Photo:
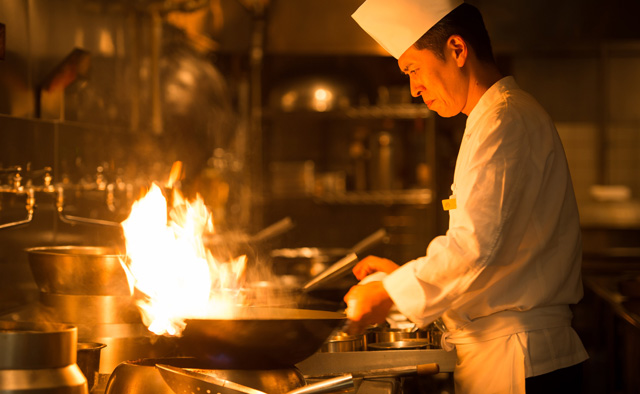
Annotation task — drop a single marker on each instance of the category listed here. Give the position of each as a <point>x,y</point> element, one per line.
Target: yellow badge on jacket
<point>449,204</point>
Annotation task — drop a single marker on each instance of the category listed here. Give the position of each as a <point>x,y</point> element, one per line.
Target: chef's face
<point>440,82</point>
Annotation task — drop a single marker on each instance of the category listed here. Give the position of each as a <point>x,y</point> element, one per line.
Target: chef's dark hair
<point>465,21</point>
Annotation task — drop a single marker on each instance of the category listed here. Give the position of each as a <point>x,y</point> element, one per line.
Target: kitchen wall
<point>593,98</point>
<point>579,59</point>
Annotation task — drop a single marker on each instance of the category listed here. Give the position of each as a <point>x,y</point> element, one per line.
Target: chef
<point>504,274</point>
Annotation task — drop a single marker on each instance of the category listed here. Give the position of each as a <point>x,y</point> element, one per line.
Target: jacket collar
<point>494,94</point>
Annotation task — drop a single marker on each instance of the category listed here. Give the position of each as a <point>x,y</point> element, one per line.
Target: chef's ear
<point>458,49</point>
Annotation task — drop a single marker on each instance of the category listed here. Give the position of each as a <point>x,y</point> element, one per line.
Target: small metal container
<point>343,342</point>
<point>88,359</point>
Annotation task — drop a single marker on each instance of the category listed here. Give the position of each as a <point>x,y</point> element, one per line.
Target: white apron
<point>493,351</point>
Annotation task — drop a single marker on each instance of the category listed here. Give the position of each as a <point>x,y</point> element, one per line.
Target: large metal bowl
<point>259,338</point>
<point>142,376</point>
<point>78,270</point>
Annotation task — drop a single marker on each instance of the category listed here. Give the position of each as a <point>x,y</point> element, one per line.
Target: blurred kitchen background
<point>287,109</point>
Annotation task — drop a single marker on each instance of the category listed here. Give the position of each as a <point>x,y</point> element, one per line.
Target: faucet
<point>28,191</point>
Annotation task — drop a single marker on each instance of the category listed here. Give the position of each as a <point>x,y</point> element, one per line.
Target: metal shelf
<point>383,197</point>
<point>396,111</point>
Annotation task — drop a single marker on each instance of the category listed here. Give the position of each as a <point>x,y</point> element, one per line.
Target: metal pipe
<point>73,220</point>
<point>30,206</point>
<point>29,191</point>
<point>77,219</point>
<point>18,223</point>
<point>156,49</point>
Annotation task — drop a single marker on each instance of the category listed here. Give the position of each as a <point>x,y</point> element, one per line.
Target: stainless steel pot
<point>79,270</point>
<point>342,342</point>
<point>414,343</point>
<point>37,345</point>
<point>38,358</point>
<point>383,334</point>
<point>91,309</point>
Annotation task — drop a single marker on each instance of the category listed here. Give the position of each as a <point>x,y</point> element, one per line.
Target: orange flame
<point>169,264</point>
<point>175,174</point>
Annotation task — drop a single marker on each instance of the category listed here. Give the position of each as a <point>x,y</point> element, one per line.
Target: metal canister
<point>384,163</point>
<point>39,358</point>
<point>88,360</point>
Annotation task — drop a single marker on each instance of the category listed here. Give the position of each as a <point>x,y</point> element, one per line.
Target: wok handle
<point>394,372</point>
<point>338,268</point>
<point>271,231</point>
<point>324,386</point>
<point>370,241</point>
<point>420,369</point>
<point>428,369</point>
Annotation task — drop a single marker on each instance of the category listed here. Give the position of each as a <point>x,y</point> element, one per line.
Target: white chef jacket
<point>503,275</point>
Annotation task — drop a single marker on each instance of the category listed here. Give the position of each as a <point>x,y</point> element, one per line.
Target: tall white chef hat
<point>398,24</point>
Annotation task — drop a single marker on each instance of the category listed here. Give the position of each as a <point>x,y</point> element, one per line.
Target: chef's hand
<point>366,304</point>
<point>372,264</point>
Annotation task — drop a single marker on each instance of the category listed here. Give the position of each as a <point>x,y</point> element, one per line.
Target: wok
<point>259,338</point>
<point>185,381</point>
